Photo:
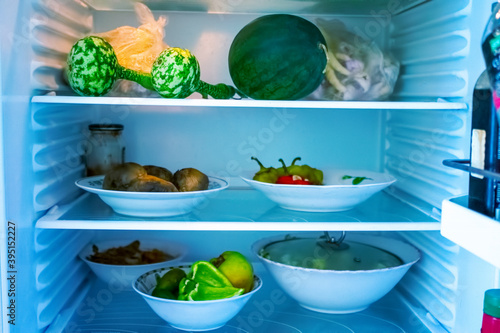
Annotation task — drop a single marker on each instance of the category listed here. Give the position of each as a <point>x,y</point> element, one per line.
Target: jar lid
<point>492,302</point>
<point>106,127</point>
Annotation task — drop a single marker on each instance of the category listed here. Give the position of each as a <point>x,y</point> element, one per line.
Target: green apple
<point>236,268</point>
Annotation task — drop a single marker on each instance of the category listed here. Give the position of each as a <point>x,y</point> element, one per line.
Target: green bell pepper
<point>265,175</point>
<point>312,175</point>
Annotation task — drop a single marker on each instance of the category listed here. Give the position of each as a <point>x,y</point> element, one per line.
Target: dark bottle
<point>484,149</point>
<point>491,54</point>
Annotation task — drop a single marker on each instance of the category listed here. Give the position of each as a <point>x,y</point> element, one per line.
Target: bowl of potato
<point>152,191</point>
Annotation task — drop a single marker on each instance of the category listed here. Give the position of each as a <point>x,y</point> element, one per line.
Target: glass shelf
<point>268,6</point>
<point>245,209</point>
<point>126,311</point>
<point>248,103</point>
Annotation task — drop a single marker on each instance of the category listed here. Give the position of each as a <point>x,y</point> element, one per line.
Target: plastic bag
<point>137,48</point>
<point>357,69</point>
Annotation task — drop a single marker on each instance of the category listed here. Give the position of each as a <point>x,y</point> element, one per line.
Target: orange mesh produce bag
<point>137,48</point>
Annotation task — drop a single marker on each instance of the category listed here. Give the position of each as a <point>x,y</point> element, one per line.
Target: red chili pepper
<point>292,180</point>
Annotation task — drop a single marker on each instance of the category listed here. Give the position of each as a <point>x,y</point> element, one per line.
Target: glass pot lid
<point>319,253</point>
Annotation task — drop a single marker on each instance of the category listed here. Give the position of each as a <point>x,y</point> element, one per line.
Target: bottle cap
<point>105,127</point>
<point>492,302</point>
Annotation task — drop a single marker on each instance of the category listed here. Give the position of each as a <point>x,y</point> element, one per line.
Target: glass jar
<point>104,149</point>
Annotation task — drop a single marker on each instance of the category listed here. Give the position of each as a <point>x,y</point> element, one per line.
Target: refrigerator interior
<point>426,121</point>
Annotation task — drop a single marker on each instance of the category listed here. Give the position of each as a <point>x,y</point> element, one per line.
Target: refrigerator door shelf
<point>465,165</point>
<point>244,210</point>
<point>471,230</point>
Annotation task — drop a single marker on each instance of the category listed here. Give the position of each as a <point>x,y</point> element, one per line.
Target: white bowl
<point>191,315</point>
<point>342,291</point>
<point>122,276</point>
<point>335,195</point>
<point>151,204</point>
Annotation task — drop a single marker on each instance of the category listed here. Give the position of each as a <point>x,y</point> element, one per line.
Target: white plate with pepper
<point>342,190</point>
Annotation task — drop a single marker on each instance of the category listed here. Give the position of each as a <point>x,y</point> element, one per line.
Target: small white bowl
<point>151,204</point>
<point>340,291</point>
<point>122,276</point>
<point>335,195</point>
<point>191,315</point>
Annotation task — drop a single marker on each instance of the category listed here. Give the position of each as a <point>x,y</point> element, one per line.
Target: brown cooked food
<point>190,179</point>
<point>120,177</point>
<point>159,172</point>
<point>134,177</point>
<point>151,184</point>
<point>128,255</point>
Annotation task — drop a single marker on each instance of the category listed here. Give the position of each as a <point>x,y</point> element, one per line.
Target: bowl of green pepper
<point>200,303</point>
<point>303,188</point>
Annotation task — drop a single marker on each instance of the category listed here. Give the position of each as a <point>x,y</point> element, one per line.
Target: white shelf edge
<point>246,103</point>
<point>238,225</point>
<point>473,231</point>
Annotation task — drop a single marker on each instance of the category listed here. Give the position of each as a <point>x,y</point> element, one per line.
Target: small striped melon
<point>175,73</point>
<point>92,66</point>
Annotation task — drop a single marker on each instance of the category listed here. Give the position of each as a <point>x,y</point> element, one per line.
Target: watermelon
<point>278,57</point>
